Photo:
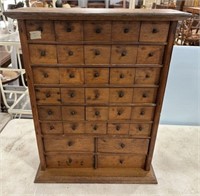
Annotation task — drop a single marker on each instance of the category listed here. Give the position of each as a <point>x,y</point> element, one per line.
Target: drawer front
<point>45,75</point>
<point>69,31</point>
<point>144,95</point>
<point>119,113</point>
<point>51,128</point>
<point>69,54</point>
<point>73,113</point>
<point>97,54</point>
<point>43,54</point>
<point>40,30</point>
<point>125,31</point>
<point>96,113</point>
<point>118,129</point>
<point>72,95</point>
<point>97,95</point>
<point>96,75</point>
<point>74,127</point>
<point>70,161</point>
<point>121,95</point>
<point>142,113</point>
<point>96,128</point>
<point>48,95</point>
<point>71,76</point>
<point>122,75</point>
<point>97,31</point>
<point>154,31</point>
<point>69,144</point>
<point>140,129</point>
<point>150,54</point>
<point>49,113</point>
<point>121,161</point>
<point>123,145</point>
<point>123,54</point>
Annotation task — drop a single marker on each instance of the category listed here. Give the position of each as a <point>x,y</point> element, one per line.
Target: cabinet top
<point>96,14</point>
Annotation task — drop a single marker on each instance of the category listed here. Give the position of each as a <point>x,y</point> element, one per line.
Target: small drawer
<point>150,54</point>
<point>72,95</point>
<point>73,113</point>
<point>51,128</point>
<point>123,145</point>
<point>69,54</point>
<point>122,75</point>
<point>119,113</point>
<point>81,144</point>
<point>125,31</point>
<point>43,54</point>
<point>97,95</point>
<point>147,75</point>
<point>121,95</point>
<point>97,54</point>
<point>97,31</point>
<point>49,113</point>
<point>74,127</point>
<point>144,95</point>
<point>69,31</point>
<point>96,75</point>
<point>154,31</point>
<point>40,30</point>
<point>121,161</point>
<point>96,113</point>
<point>48,95</point>
<point>96,128</point>
<point>45,75</point>
<point>140,129</point>
<point>124,54</point>
<point>118,129</point>
<point>142,113</point>
<point>70,161</point>
<point>71,76</point>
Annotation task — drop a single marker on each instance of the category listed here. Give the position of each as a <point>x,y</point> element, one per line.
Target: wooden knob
<point>46,75</point>
<point>120,94</point>
<point>154,30</point>
<point>140,128</point>
<point>69,29</point>
<point>96,74</point>
<point>72,94</point>
<point>144,95</point>
<point>118,127</point>
<point>147,76</point>
<point>97,95</point>
<point>73,127</point>
<point>123,53</point>
<point>97,113</point>
<point>69,143</point>
<point>71,75</point>
<point>150,54</point>
<point>70,53</point>
<point>119,112</point>
<point>95,127</point>
<point>121,161</point>
<point>126,30</point>
<point>98,30</point>
<point>50,112</point>
<point>73,113</point>
<point>121,75</point>
<point>122,145</point>
<point>51,127</point>
<point>142,112</point>
<point>97,52</point>
<point>42,53</point>
<point>48,94</point>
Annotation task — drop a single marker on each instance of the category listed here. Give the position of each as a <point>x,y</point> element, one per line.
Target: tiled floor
<point>4,119</point>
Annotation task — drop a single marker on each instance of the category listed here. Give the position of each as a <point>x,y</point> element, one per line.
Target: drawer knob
<point>97,95</point>
<point>73,127</point>
<point>73,113</point>
<point>72,94</point>
<point>121,161</point>
<point>69,143</point>
<point>144,95</point>
<point>69,161</point>
<point>142,112</point>
<point>97,113</point>
<point>97,52</point>
<point>42,53</point>
<point>70,53</point>
<point>96,74</point>
<point>119,112</point>
<point>140,128</point>
<point>150,54</point>
<point>52,127</point>
<point>95,127</point>
<point>50,112</point>
<point>123,53</point>
<point>121,93</point>
<point>46,75</point>
<point>48,94</point>
<point>98,30</point>
<point>122,145</point>
<point>71,75</point>
<point>155,30</point>
<point>126,30</point>
<point>121,75</point>
<point>118,127</point>
<point>69,29</point>
<point>147,76</point>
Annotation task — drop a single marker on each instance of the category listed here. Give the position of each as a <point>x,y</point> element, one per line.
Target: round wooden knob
<point>48,94</point>
<point>50,112</point>
<point>97,52</point>
<point>121,161</point>
<point>71,75</point>
<point>72,94</point>
<point>97,113</point>
<point>52,127</point>
<point>144,95</point>
<point>46,75</point>
<point>142,112</point>
<point>120,94</point>
<point>98,30</point>
<point>69,29</point>
<point>126,30</point>
<point>43,53</point>
<point>122,145</point>
<point>70,143</point>
<point>123,53</point>
<point>118,127</point>
<point>121,75</point>
<point>73,112</point>
<point>96,74</point>
<point>150,54</point>
<point>95,127</point>
<point>73,127</point>
<point>140,128</point>
<point>70,53</point>
<point>154,30</point>
<point>119,112</point>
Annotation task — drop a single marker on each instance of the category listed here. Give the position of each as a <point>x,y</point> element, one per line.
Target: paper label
<point>35,35</point>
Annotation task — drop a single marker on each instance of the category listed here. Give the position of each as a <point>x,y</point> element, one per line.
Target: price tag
<point>35,35</point>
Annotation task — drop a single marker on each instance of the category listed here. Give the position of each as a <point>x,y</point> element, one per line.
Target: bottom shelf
<point>100,175</point>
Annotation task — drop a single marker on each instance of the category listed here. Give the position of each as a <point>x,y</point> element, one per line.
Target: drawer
<point>71,76</point>
<point>119,113</point>
<point>150,54</point>
<point>154,31</point>
<point>123,145</point>
<point>121,161</point>
<point>74,127</point>
<point>97,54</point>
<point>70,161</point>
<point>96,113</point>
<point>48,95</point>
<point>97,95</point>
<point>70,54</point>
<point>144,95</point>
<point>140,129</point>
<point>97,31</point>
<point>118,129</point>
<point>73,113</point>
<point>72,95</point>
<point>43,54</point>
<point>96,128</point>
<point>142,113</point>
<point>122,75</point>
<point>147,75</point>
<point>51,128</point>
<point>96,75</point>
<point>40,30</point>
<point>121,95</point>
<point>125,31</point>
<point>69,31</point>
<point>49,113</point>
<point>124,54</point>
<point>82,144</point>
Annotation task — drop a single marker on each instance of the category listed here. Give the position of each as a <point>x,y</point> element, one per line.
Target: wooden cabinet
<point>96,83</point>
